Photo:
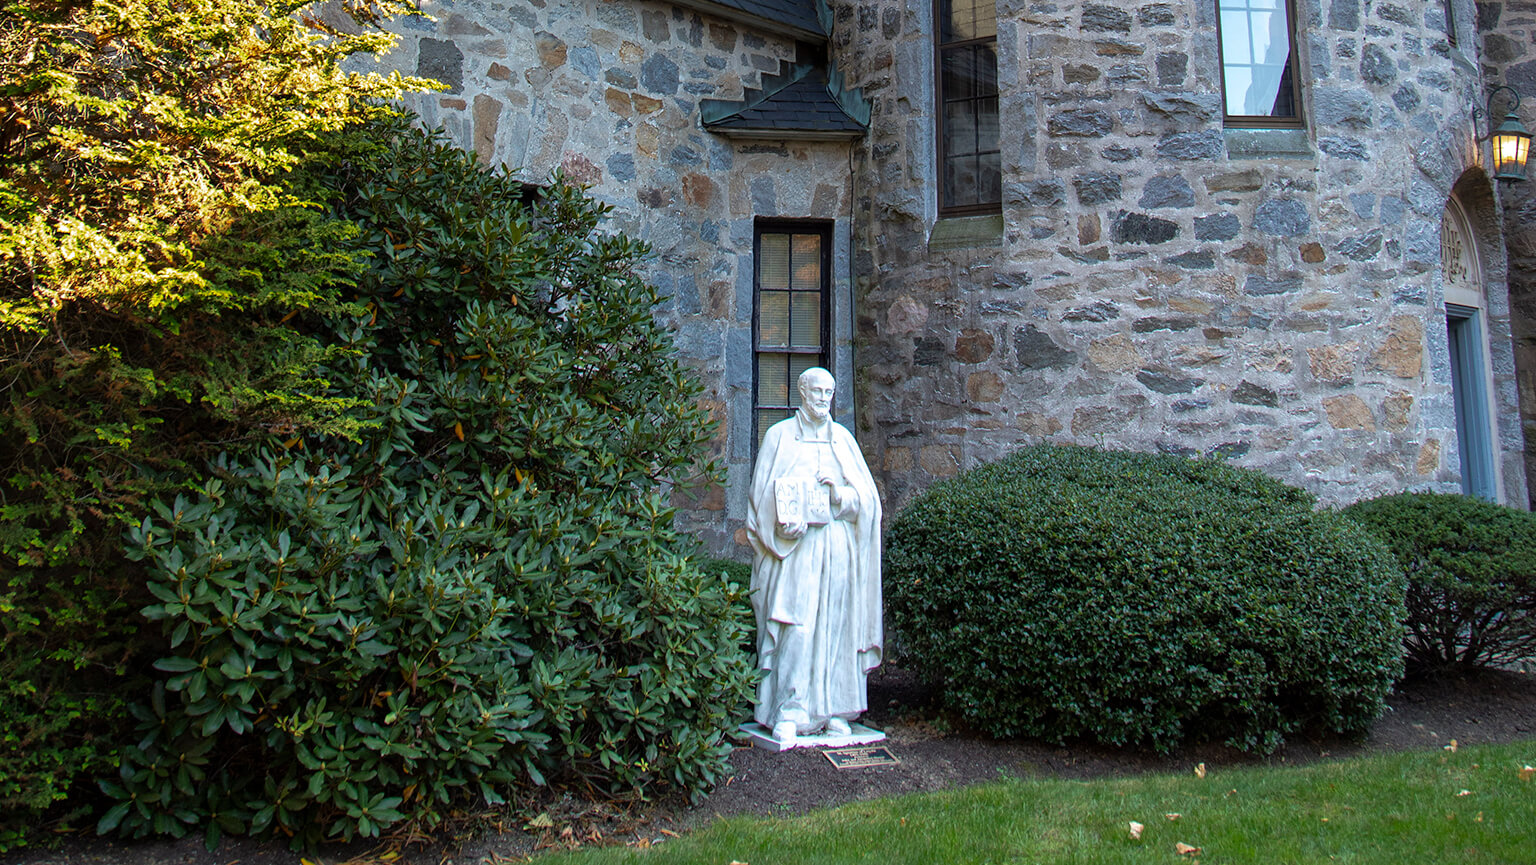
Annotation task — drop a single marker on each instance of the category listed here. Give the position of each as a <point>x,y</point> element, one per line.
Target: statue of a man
<point>814,521</point>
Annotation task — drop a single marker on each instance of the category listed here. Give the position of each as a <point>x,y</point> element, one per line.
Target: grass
<point>1473,805</point>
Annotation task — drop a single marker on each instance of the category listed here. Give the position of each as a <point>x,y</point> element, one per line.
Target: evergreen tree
<point>151,246</point>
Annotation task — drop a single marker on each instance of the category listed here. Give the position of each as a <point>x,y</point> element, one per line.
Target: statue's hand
<point>833,490</point>
<point>845,500</point>
<point>792,529</point>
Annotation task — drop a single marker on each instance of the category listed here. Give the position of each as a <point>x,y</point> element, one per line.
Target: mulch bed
<point>935,754</point>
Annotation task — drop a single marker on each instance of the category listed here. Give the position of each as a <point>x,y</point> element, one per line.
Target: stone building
<point>1258,229</point>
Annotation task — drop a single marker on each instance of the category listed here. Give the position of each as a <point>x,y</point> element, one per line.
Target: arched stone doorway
<point>1471,374</point>
<point>1479,361</point>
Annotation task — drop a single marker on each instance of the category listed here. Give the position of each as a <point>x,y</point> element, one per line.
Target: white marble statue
<point>814,521</point>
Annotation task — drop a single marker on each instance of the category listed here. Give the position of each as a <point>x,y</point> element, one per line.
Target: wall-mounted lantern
<point>1510,142</point>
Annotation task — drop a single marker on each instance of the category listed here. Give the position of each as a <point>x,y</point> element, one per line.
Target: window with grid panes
<point>791,299</point>
<point>970,156</point>
<point>1258,63</point>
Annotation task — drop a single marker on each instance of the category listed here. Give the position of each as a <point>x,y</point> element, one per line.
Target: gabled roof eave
<point>770,25</point>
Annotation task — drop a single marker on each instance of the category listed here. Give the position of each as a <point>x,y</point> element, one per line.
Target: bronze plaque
<point>861,758</point>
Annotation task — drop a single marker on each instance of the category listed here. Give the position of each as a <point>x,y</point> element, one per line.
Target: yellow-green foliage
<point>144,146</point>
<point>151,245</point>
<point>135,130</point>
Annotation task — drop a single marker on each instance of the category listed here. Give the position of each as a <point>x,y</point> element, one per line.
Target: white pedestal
<point>762,737</point>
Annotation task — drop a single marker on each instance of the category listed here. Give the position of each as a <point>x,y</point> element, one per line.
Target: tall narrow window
<point>1258,63</point>
<point>970,158</point>
<point>1461,275</point>
<point>791,304</point>
<point>1450,21</point>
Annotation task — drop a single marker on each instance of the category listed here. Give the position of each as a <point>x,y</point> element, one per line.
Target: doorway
<point>1467,338</point>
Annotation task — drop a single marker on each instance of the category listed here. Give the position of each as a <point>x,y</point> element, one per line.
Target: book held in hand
<point>802,500</point>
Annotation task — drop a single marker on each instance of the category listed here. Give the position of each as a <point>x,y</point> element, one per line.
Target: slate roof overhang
<point>798,19</point>
<point>800,106</point>
<point>808,101</point>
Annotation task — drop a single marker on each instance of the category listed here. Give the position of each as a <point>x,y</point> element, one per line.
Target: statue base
<point>762,737</point>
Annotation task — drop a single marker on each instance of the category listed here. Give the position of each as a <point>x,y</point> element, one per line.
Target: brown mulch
<point>1484,708</point>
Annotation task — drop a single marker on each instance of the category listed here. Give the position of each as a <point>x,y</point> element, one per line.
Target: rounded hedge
<point>1471,572</point>
<point>1067,592</point>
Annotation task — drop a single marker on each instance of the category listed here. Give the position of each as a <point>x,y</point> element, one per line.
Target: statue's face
<point>816,395</point>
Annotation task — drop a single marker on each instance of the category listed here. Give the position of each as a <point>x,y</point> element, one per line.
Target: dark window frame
<point>823,354</point>
<point>1474,416</point>
<point>940,47</point>
<point>1264,121</point>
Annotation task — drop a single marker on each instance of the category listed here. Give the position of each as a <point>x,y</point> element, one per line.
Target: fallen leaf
<point>669,833</point>
<point>1464,793</point>
<point>1527,773</point>
<point>1200,771</point>
<point>1185,849</point>
<point>1478,818</point>
<point>1173,815</point>
<point>1136,830</point>
<point>1451,747</point>
<point>734,862</point>
<point>542,821</point>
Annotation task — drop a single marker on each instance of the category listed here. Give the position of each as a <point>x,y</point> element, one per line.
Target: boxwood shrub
<point>1134,599</point>
<point>1471,572</point>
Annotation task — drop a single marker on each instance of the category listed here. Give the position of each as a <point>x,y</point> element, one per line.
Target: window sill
<point>1267,143</point>
<point>966,232</point>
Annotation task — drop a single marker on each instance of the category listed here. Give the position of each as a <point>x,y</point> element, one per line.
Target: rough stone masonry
<point>1155,279</point>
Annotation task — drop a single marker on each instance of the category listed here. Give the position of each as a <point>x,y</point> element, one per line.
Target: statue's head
<point>816,389</point>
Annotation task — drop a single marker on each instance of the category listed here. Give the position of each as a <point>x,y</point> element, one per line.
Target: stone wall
<point>1273,297</point>
<point>1159,282</point>
<point>608,91</point>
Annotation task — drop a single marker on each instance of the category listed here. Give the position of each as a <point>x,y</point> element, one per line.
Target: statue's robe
<point>816,597</point>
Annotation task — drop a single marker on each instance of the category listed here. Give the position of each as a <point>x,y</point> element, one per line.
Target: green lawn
<point>1471,806</point>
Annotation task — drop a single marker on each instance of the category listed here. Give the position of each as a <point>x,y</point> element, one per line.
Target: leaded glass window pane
<point>969,19</point>
<point>807,262</point>
<point>970,161</point>
<point>772,379</point>
<point>805,319</point>
<point>773,261</point>
<point>791,306</point>
<point>773,324</point>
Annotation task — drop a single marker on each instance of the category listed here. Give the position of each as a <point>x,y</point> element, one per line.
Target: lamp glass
<point>1511,149</point>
